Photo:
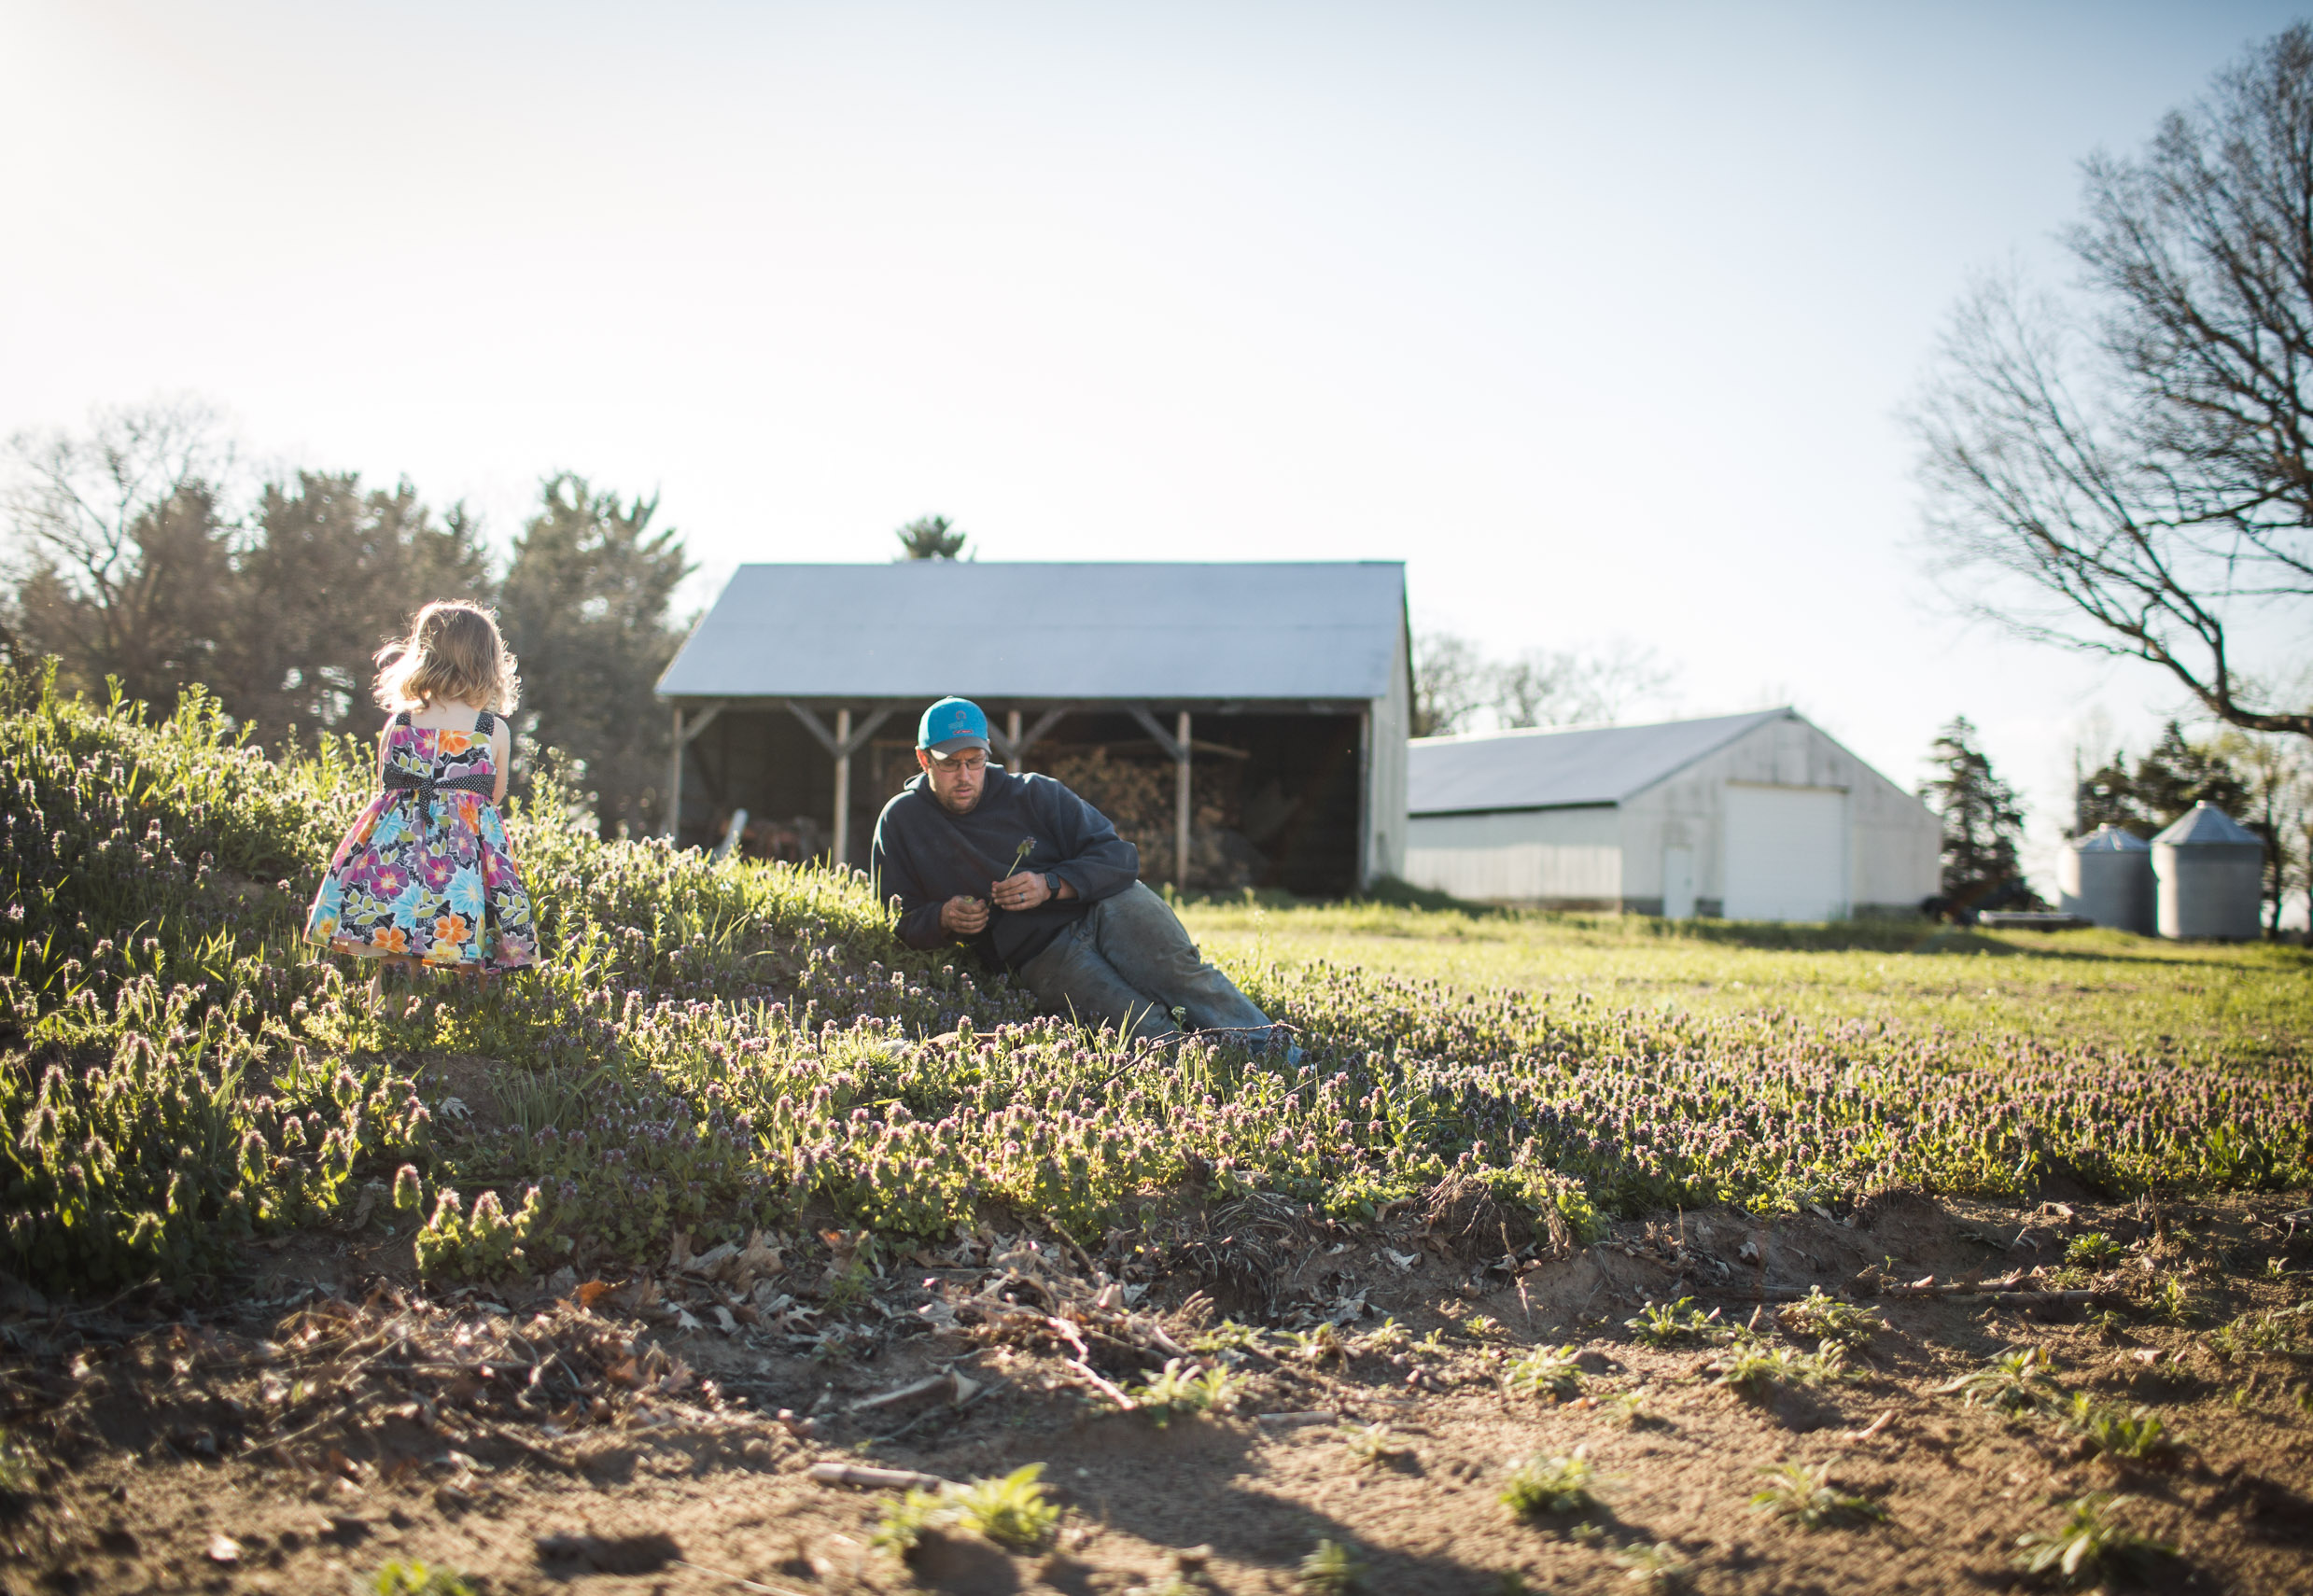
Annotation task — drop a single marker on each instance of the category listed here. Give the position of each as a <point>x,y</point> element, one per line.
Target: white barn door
<point>1678,884</point>
<point>1785,853</point>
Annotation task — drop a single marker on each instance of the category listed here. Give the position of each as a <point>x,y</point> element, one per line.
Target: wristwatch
<point>1052,884</point>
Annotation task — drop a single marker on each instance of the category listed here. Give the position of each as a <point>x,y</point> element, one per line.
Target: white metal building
<point>1293,678</point>
<point>1757,817</point>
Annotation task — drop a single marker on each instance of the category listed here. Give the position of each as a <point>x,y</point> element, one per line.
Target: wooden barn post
<point>673,782</point>
<point>842,848</point>
<point>1181,821</point>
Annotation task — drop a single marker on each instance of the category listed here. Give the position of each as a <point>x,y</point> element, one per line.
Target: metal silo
<point>2211,874</point>
<point>2107,878</point>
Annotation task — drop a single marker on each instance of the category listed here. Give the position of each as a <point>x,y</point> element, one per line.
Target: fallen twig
<point>1067,1331</point>
<point>2017,1296</point>
<point>1155,1333</point>
<point>740,1580</point>
<point>1873,1428</point>
<point>938,1412</point>
<point>502,1432</point>
<point>876,1479</point>
<point>1107,1388</point>
<point>924,1387</point>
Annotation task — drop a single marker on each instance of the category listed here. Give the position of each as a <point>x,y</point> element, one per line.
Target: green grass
<point>1179,1389</point>
<point>1547,1482</point>
<point>2017,1381</point>
<point>2089,1543</point>
<point>1330,1570</point>
<point>1011,1511</point>
<point>1807,1497</point>
<point>2247,1006</point>
<point>399,1578</point>
<point>720,1047</point>
<point>1545,1372</point>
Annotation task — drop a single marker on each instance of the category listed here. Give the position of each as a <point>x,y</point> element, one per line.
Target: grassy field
<point>709,1048</point>
<point>2201,1003</point>
<point>483,1268</point>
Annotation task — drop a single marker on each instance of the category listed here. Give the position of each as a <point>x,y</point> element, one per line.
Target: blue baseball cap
<point>950,724</point>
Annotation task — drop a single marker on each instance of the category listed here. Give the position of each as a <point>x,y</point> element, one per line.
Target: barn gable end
<point>1759,817</point>
<point>1244,725</point>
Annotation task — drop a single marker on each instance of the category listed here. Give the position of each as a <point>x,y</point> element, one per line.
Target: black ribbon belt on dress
<point>425,787</point>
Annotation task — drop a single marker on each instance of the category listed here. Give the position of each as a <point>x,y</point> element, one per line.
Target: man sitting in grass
<point>1038,883</point>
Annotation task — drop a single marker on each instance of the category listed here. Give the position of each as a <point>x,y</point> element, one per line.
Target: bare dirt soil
<point>627,1435</point>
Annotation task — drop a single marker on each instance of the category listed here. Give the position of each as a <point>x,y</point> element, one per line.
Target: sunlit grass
<point>717,1048</point>
<point>2200,1002</point>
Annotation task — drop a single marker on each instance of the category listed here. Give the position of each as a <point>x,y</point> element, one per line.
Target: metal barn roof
<point>1548,769</point>
<point>921,628</point>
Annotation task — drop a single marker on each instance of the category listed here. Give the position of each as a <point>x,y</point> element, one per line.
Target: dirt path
<point>302,1446</point>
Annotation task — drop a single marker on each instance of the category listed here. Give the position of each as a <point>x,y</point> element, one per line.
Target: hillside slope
<point>713,1048</point>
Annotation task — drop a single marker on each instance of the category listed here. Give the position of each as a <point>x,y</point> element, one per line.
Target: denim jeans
<point>1130,962</point>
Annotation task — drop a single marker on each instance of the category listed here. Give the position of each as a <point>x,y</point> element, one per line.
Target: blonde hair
<point>453,652</point>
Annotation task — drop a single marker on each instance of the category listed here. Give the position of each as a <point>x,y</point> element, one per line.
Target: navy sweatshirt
<point>924,856</point>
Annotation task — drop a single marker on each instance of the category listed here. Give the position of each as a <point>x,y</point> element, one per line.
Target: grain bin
<point>2211,874</point>
<point>2107,878</point>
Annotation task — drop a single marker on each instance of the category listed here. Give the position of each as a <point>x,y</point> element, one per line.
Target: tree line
<point>2266,783</point>
<point>2263,782</point>
<point>128,563</point>
<point>2123,465</point>
<point>1459,687</point>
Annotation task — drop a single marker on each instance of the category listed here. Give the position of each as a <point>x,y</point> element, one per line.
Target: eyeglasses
<point>972,762</point>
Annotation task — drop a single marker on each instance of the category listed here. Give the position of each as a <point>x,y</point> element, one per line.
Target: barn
<point>1245,724</point>
<point>1756,817</point>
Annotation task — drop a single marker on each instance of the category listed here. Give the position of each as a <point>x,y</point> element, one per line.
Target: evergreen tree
<point>2180,773</point>
<point>332,574</point>
<point>585,608</point>
<point>123,558</point>
<point>2108,797</point>
<point>1982,826</point>
<point>152,617</point>
<point>928,537</point>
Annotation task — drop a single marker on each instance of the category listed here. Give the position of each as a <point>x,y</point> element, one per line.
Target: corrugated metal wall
<point>1565,859</point>
<point>1612,857</point>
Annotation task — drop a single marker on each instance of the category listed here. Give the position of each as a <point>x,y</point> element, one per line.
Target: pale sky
<point>1597,316</point>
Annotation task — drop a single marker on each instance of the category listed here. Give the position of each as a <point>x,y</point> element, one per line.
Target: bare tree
<point>1458,688</point>
<point>1451,683</point>
<point>123,561</point>
<point>1568,687</point>
<point>2132,468</point>
<point>2276,775</point>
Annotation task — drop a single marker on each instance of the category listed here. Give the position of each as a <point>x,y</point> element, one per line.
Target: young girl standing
<point>424,877</point>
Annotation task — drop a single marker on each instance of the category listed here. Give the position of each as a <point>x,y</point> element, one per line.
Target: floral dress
<point>425,873</point>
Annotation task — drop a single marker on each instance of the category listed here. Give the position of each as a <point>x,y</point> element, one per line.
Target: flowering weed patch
<point>718,1047</point>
